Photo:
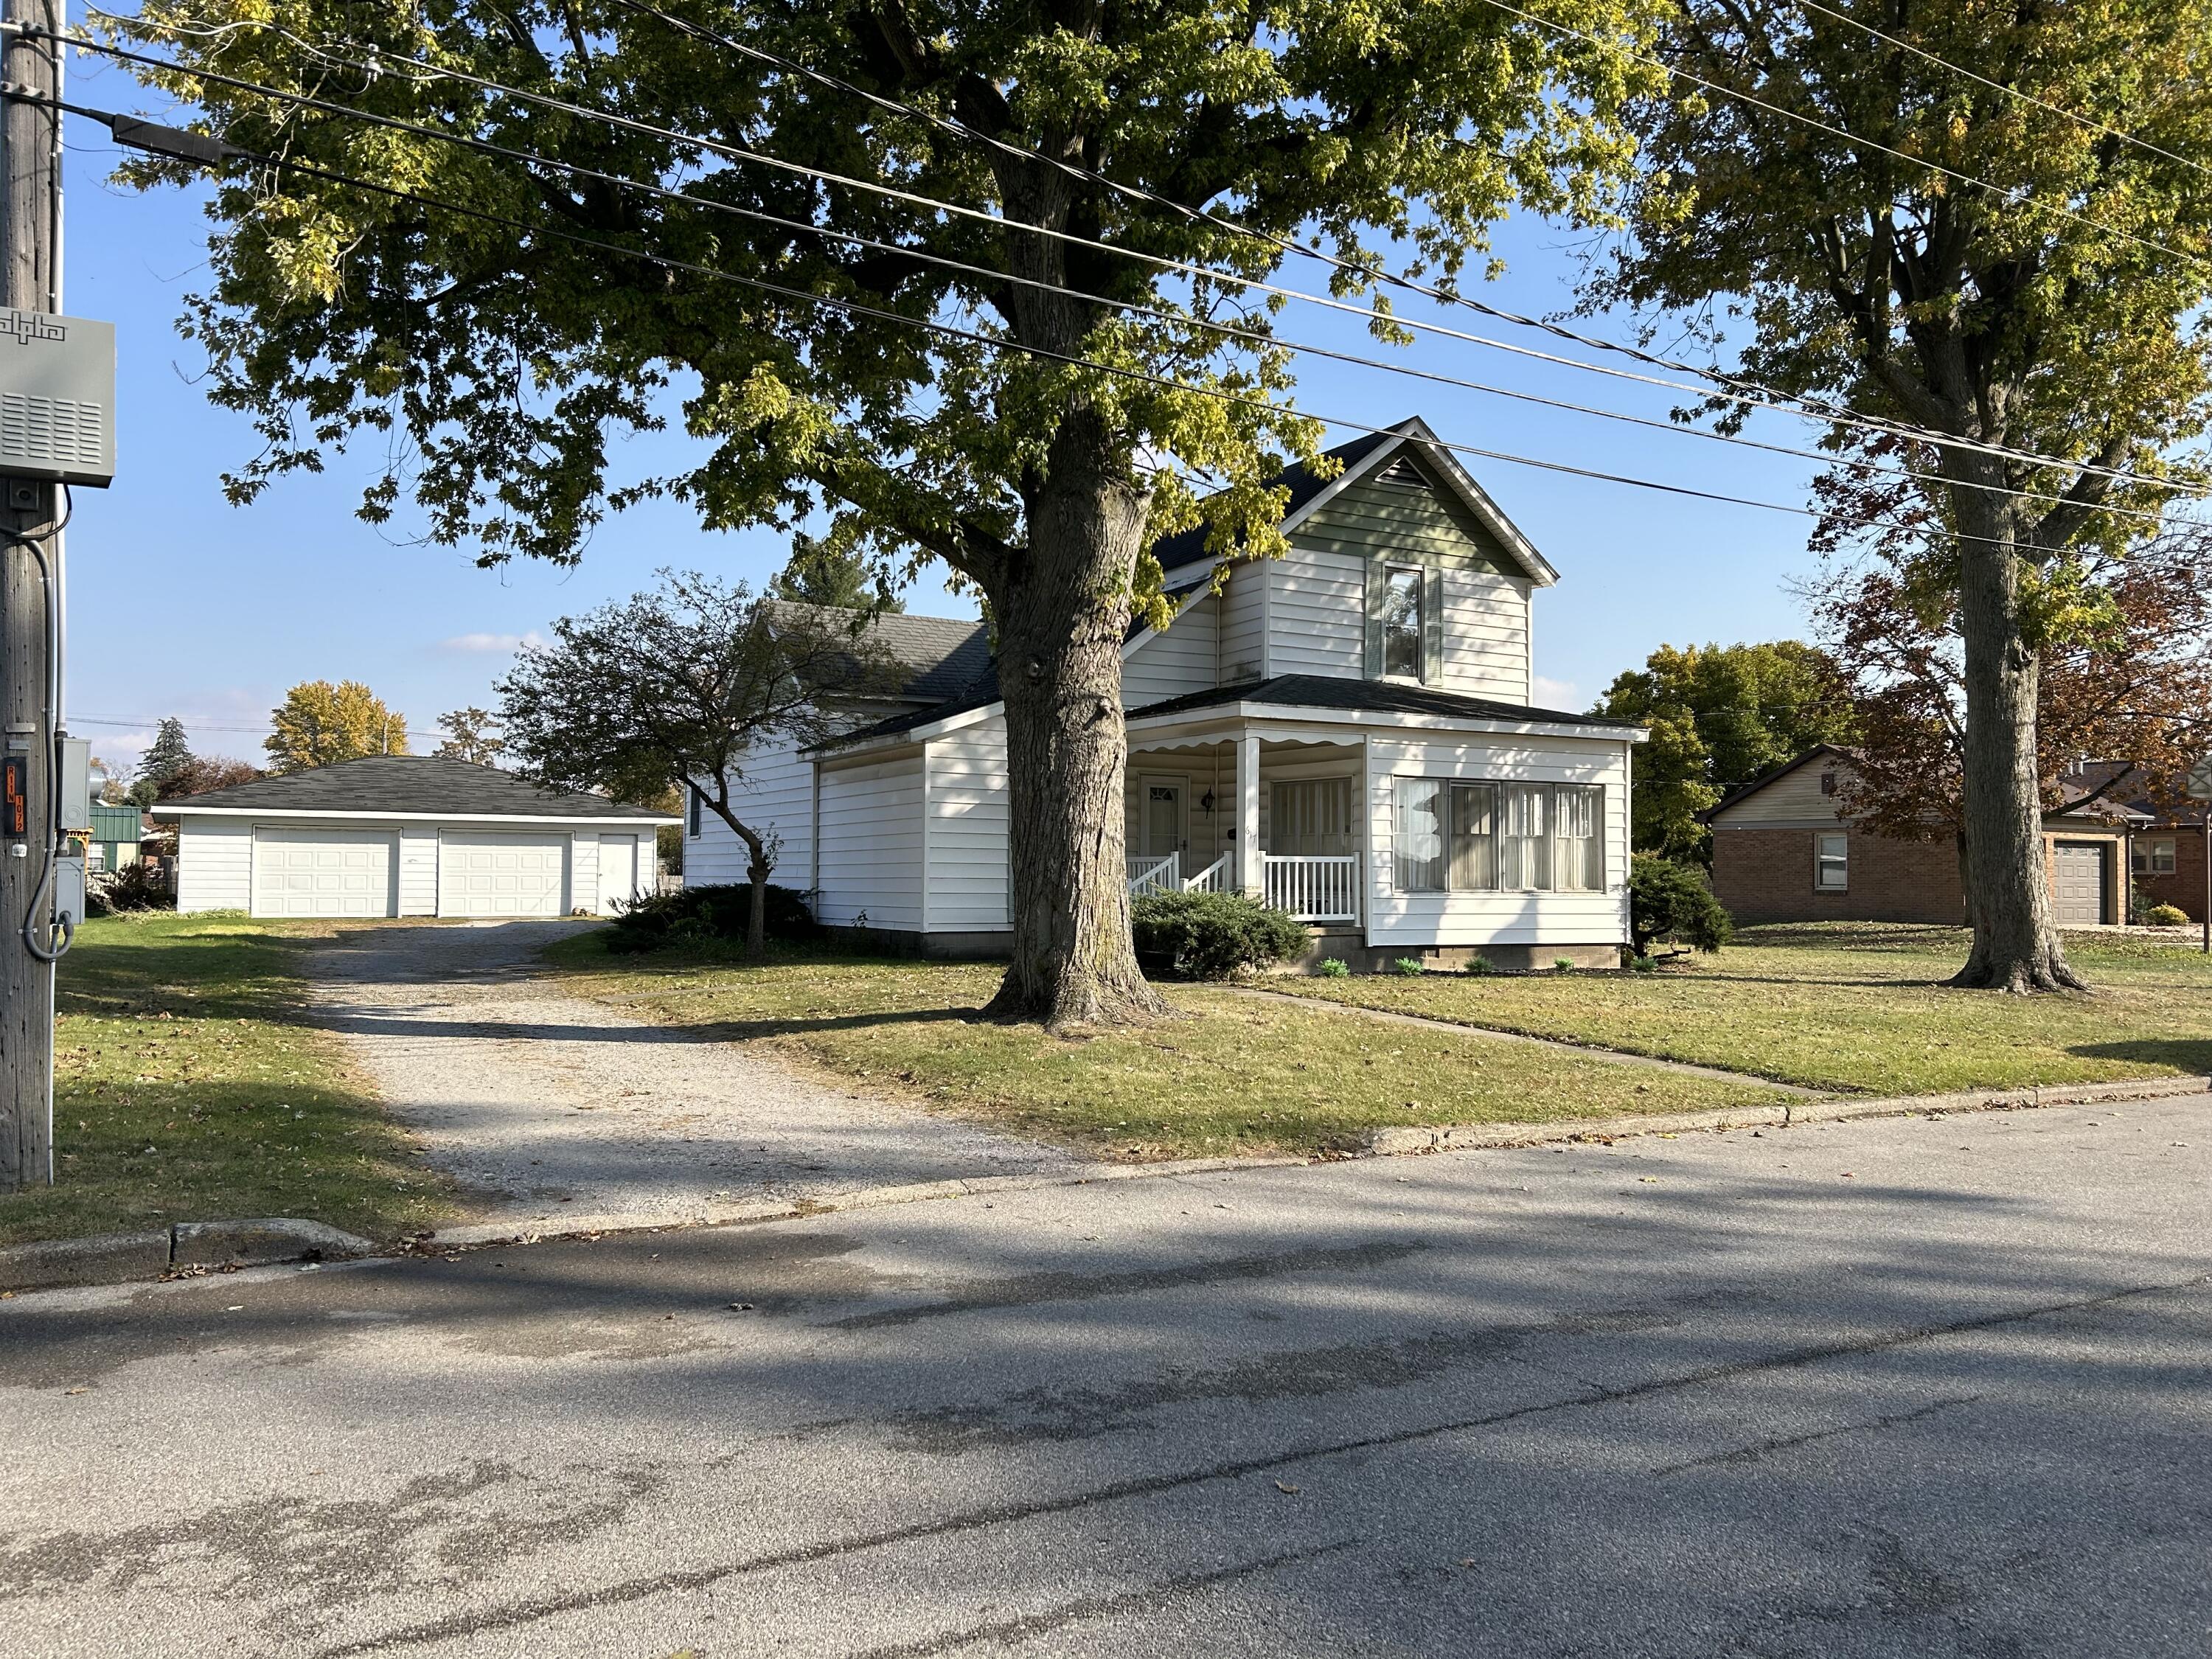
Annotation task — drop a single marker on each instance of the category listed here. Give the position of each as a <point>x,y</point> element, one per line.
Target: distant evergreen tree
<point>167,760</point>
<point>826,571</point>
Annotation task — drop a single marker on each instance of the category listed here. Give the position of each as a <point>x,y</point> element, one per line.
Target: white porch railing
<point>1312,888</point>
<point>1215,878</point>
<point>1154,875</point>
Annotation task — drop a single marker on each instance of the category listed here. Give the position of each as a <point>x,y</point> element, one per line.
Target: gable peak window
<point>1401,622</point>
<point>1402,474</point>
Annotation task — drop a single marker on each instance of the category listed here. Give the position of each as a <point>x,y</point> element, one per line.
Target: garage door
<point>2078,883</point>
<point>323,872</point>
<point>502,875</point>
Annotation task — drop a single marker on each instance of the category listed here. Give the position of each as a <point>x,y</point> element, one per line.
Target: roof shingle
<point>426,786</point>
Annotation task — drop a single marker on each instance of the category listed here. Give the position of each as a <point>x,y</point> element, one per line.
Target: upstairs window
<point>2153,858</point>
<point>1401,623</point>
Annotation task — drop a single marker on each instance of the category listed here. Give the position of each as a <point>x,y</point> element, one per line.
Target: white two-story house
<point>1344,732</point>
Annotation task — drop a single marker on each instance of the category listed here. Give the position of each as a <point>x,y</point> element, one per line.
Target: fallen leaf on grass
<point>1288,1490</point>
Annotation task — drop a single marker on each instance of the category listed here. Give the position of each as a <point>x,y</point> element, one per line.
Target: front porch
<point>1279,819</point>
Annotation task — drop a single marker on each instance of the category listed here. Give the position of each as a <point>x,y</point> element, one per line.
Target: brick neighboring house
<point>2166,844</point>
<point>1784,850</point>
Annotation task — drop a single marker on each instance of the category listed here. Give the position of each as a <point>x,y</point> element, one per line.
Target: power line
<point>2088,122</point>
<point>1749,392</point>
<point>989,343</point>
<point>1738,386</point>
<point>1815,122</point>
<point>1250,337</point>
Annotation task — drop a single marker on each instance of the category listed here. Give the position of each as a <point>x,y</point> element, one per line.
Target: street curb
<point>202,1246</point>
<point>863,1198</point>
<point>1477,1137</point>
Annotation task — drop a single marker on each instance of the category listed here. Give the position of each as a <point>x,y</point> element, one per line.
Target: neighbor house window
<point>2153,858</point>
<point>695,816</point>
<point>1401,624</point>
<point>1418,838</point>
<point>1831,863</point>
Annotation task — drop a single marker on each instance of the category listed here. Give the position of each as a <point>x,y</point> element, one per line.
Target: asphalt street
<point>1908,1387</point>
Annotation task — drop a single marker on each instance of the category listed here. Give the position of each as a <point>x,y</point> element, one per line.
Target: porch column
<point>1248,815</point>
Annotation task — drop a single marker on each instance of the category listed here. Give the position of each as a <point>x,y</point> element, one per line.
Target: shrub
<point>2165,915</point>
<point>1670,901</point>
<point>716,910</point>
<point>134,887</point>
<point>1641,964</point>
<point>1478,966</point>
<point>1335,968</point>
<point>1563,964</point>
<point>1411,967</point>
<point>1209,935</point>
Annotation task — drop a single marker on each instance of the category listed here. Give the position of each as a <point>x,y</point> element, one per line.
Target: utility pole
<point>30,600</point>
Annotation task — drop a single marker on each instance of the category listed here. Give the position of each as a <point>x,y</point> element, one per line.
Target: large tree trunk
<point>1062,610</point>
<point>2016,946</point>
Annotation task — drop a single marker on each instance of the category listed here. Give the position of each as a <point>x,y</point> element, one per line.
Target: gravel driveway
<point>555,1108</point>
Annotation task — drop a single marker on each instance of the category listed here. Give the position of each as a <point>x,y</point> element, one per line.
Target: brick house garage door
<point>489,874</point>
<point>323,872</point>
<point>2078,883</point>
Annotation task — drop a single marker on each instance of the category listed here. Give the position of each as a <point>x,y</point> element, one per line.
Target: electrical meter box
<point>57,398</point>
<point>69,890</point>
<point>73,762</point>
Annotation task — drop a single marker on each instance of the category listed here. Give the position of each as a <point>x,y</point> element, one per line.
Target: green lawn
<point>1231,1075</point>
<point>1854,1008</point>
<point>188,1087</point>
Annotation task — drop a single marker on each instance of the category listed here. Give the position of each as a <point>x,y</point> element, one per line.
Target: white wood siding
<point>215,865</point>
<point>871,859</point>
<point>967,829</point>
<point>1317,614</point>
<point>1244,624</point>
<point>1487,644</point>
<point>1791,802</point>
<point>418,870</point>
<point>1476,918</point>
<point>1182,659</point>
<point>584,871</point>
<point>776,797</point>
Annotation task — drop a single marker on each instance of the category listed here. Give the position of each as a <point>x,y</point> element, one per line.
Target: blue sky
<point>181,604</point>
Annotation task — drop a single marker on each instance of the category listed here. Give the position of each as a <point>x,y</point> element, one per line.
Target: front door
<point>1160,829</point>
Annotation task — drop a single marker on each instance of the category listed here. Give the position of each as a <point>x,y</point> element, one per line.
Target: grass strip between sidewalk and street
<point>1229,1075</point>
<point>189,1086</point>
<point>1851,1007</point>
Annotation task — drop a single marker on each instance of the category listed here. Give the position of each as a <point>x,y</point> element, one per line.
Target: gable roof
<point>933,658</point>
<point>413,786</point>
<point>1366,457</point>
<point>2076,801</point>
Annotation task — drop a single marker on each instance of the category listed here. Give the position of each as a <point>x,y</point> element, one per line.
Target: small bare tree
<point>684,685</point>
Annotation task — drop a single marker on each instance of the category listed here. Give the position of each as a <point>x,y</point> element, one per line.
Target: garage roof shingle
<point>420,786</point>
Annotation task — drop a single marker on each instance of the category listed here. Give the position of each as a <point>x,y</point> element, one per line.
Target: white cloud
<point>493,642</point>
<point>1555,694</point>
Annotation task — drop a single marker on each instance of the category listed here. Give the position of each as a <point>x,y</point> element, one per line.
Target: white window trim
<point>1420,575</point>
<point>1551,835</point>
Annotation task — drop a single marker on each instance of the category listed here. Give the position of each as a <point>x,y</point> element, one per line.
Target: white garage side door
<point>323,873</point>
<point>618,872</point>
<point>481,874</point>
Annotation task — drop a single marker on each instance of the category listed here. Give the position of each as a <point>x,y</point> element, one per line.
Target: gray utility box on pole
<point>57,398</point>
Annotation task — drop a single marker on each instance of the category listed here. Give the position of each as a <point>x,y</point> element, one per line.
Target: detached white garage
<point>408,836</point>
